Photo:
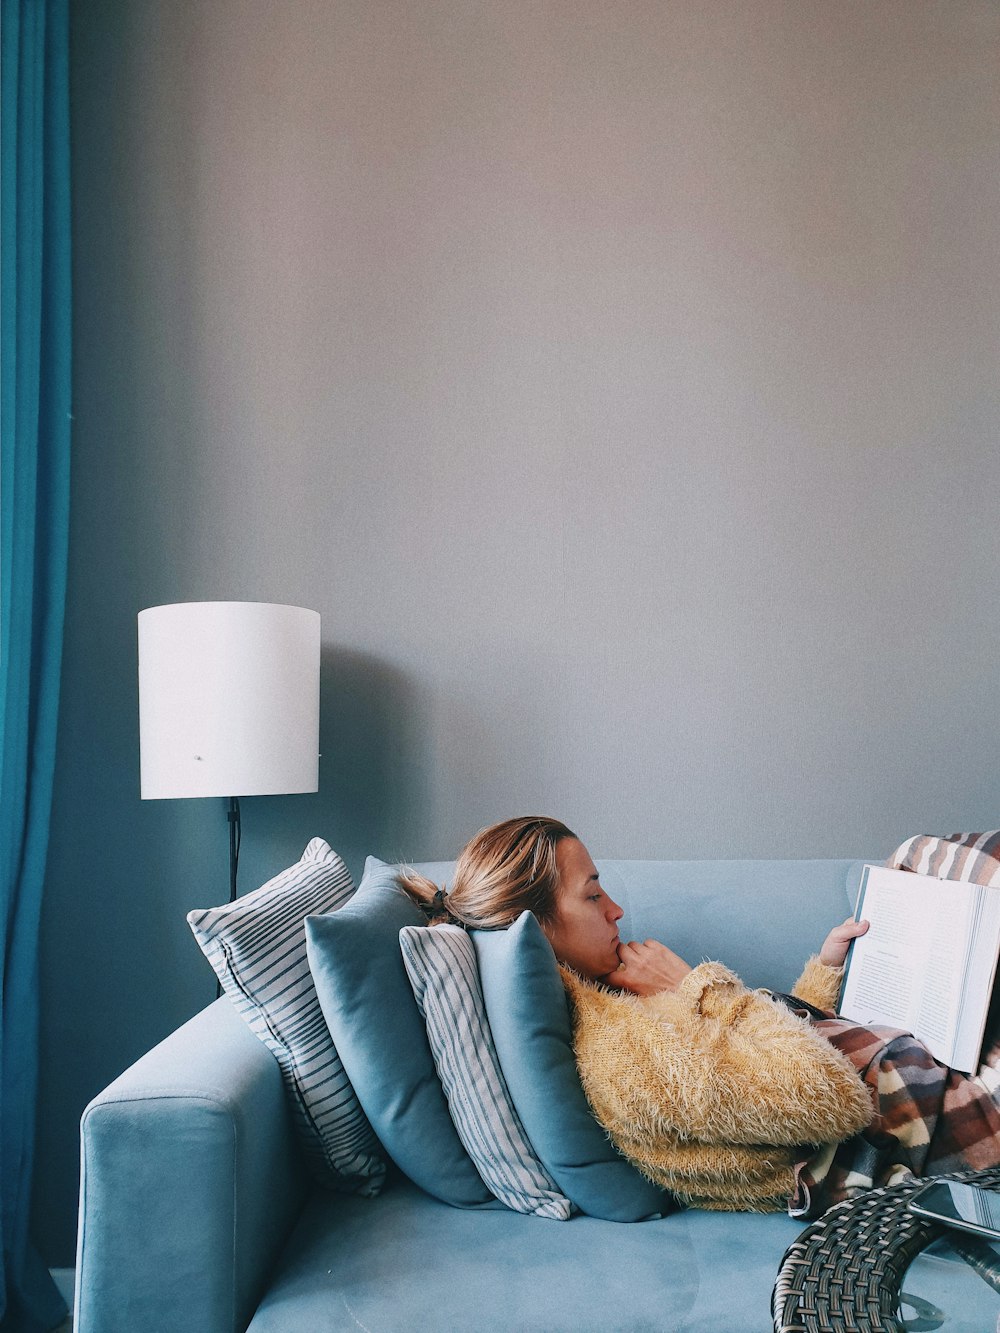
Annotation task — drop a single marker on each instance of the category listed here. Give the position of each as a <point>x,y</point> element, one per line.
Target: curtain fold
<point>34,524</point>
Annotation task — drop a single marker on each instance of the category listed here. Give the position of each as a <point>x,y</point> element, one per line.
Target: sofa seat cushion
<point>406,1261</point>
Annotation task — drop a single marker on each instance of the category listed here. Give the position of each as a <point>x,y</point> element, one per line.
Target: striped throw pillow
<point>257,946</point>
<point>441,964</point>
<point>968,856</point>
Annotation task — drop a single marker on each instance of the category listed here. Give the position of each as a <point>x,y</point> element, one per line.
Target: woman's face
<point>584,931</point>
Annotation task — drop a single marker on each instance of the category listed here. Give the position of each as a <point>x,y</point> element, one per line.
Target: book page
<point>907,971</point>
<point>981,968</point>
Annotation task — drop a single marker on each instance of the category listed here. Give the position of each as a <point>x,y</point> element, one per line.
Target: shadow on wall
<point>373,775</point>
<point>373,790</point>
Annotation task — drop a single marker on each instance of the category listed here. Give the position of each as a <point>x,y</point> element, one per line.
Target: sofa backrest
<point>762,918</point>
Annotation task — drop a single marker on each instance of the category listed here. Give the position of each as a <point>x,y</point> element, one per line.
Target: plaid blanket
<point>928,1119</point>
<point>974,857</point>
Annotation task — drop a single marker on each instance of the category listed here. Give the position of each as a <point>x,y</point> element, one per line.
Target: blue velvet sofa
<point>197,1215</point>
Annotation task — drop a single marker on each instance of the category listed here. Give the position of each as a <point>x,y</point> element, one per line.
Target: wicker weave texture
<point>844,1272</point>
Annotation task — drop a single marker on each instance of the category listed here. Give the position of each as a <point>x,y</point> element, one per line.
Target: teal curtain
<point>34,521</point>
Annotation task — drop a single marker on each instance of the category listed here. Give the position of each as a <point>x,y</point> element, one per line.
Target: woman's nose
<point>615,912</point>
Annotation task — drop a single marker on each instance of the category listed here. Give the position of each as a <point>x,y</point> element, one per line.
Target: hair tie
<point>436,906</point>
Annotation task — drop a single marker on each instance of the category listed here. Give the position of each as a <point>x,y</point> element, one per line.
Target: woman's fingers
<point>647,968</point>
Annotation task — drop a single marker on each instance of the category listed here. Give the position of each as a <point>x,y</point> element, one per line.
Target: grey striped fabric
<point>969,856</point>
<point>257,946</point>
<point>441,964</point>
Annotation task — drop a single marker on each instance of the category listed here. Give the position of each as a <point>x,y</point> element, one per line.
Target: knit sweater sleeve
<point>820,985</point>
<point>711,1061</point>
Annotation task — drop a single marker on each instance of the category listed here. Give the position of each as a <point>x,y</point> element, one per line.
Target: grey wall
<point>619,381</point>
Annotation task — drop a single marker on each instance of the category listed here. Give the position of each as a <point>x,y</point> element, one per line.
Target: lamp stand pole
<point>235,832</point>
<point>233,815</point>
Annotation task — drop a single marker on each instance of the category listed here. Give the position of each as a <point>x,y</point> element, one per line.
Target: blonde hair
<point>506,869</point>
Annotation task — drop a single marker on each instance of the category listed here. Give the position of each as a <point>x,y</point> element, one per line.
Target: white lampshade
<point>228,699</point>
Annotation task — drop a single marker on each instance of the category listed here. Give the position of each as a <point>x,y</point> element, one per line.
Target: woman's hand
<point>647,969</point>
<point>837,943</point>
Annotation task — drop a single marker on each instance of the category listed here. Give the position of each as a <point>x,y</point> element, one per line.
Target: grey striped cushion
<point>441,964</point>
<point>257,946</point>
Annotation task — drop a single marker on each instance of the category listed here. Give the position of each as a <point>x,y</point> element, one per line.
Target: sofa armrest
<point>190,1182</point>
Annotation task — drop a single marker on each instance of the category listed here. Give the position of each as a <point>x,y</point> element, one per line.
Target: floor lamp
<point>228,704</point>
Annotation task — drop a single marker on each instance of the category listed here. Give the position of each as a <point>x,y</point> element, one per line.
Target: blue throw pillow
<point>376,1026</point>
<point>529,1018</point>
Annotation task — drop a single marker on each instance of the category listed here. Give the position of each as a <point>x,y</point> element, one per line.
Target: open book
<point>928,961</point>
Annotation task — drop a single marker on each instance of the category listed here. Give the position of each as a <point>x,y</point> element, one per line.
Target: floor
<point>64,1278</point>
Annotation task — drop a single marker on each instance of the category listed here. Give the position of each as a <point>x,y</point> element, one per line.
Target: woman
<point>731,1098</point>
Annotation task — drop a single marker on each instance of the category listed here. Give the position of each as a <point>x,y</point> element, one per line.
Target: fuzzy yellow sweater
<point>713,1090</point>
